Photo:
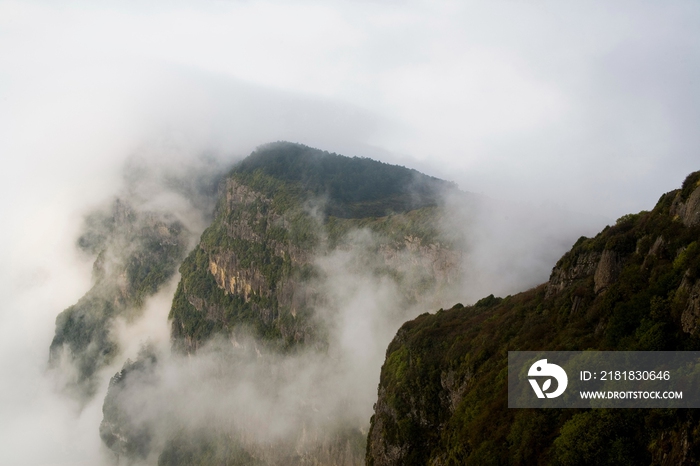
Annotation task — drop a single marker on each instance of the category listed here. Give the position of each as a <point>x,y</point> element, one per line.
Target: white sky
<point>591,106</point>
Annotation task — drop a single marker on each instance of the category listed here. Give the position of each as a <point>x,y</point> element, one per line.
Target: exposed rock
<point>658,248</point>
<point>691,215</point>
<point>435,262</point>
<point>690,319</point>
<point>607,271</point>
<point>455,386</point>
<point>380,450</point>
<point>688,211</point>
<point>458,359</point>
<point>672,448</point>
<point>127,438</point>
<point>585,265</point>
<point>259,271</point>
<point>249,220</point>
<point>576,304</point>
<point>656,251</point>
<point>235,279</point>
<point>240,194</point>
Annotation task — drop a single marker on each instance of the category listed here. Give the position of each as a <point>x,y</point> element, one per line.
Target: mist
<point>239,387</point>
<point>564,117</point>
<point>276,405</point>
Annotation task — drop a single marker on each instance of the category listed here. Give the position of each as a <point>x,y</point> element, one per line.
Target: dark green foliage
<point>354,187</point>
<point>691,182</point>
<point>488,301</point>
<point>443,388</point>
<point>214,447</point>
<point>154,260</point>
<point>603,437</point>
<point>98,227</point>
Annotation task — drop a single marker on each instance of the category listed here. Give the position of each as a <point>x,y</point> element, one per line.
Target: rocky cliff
<point>137,252</point>
<point>442,397</point>
<point>257,273</point>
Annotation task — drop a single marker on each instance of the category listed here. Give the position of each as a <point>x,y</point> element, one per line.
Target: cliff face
<point>247,270</point>
<point>257,272</point>
<point>442,398</point>
<point>686,205</point>
<point>255,262</point>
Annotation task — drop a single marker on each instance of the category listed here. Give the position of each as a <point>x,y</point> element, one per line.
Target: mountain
<point>137,253</point>
<point>442,397</point>
<point>280,207</point>
<point>306,265</point>
<point>139,239</point>
<point>262,302</point>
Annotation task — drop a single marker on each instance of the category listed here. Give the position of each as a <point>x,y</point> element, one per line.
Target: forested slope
<point>442,397</point>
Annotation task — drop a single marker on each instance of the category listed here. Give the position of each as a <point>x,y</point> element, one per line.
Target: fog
<point>564,117</point>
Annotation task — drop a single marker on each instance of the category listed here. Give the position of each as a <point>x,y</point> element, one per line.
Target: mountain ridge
<point>301,272</point>
<point>259,272</point>
<point>442,397</point>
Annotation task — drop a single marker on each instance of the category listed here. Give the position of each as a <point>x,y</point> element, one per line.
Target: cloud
<point>513,100</point>
<point>277,404</point>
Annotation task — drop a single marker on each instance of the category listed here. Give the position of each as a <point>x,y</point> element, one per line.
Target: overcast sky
<point>591,106</point>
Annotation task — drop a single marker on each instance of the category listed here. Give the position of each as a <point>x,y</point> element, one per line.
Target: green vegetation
<point>230,309</point>
<point>282,205</point>
<point>689,185</point>
<point>279,208</point>
<point>443,388</point>
<point>270,224</point>
<point>354,187</point>
<point>136,254</point>
<point>257,246</point>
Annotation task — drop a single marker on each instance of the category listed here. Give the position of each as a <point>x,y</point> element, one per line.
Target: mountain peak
<point>352,187</point>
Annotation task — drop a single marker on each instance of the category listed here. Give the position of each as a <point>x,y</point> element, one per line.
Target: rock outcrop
<point>137,252</point>
<point>564,275</point>
<point>690,319</point>
<point>607,271</point>
<point>686,205</point>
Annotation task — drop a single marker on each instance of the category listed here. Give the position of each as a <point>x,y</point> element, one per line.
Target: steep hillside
<point>137,252</point>
<point>137,240</point>
<point>275,215</point>
<point>442,396</point>
<point>256,273</point>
